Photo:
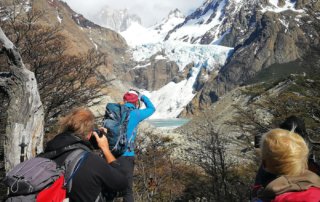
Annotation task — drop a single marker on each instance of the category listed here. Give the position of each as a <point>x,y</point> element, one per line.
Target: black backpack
<point>32,178</point>
<point>116,121</point>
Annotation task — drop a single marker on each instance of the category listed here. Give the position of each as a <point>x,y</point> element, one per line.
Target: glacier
<point>171,99</point>
<point>177,38</point>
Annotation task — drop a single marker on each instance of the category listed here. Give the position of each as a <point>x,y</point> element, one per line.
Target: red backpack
<point>310,195</point>
<point>56,192</point>
<point>40,179</point>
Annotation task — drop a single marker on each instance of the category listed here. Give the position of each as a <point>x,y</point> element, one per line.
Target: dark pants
<point>127,165</point>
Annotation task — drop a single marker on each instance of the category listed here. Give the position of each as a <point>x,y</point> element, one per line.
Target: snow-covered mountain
<point>263,33</point>
<point>145,43</point>
<point>174,18</point>
<point>136,34</point>
<point>214,19</point>
<point>171,99</point>
<point>258,33</point>
<point>118,20</point>
<point>185,54</point>
<point>219,46</point>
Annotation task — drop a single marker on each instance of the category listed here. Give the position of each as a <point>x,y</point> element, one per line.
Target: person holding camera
<point>96,175</point>
<point>132,100</point>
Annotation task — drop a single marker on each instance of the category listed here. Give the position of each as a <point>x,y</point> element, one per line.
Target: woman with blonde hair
<point>285,155</point>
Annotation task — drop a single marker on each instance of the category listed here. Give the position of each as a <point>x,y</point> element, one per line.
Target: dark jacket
<point>94,176</point>
<point>305,187</point>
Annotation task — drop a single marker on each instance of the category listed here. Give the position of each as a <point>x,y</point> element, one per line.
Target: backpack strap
<point>79,152</point>
<point>125,113</point>
<point>58,152</point>
<point>72,164</point>
<point>125,110</point>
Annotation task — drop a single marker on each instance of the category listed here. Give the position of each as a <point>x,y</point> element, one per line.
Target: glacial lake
<point>167,123</point>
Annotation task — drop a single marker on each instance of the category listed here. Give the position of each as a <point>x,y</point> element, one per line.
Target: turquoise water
<point>168,123</point>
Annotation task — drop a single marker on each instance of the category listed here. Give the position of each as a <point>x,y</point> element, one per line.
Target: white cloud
<point>150,11</point>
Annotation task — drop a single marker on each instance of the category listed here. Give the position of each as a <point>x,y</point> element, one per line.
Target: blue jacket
<point>135,117</point>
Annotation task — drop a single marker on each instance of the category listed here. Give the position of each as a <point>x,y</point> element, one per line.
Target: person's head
<point>131,97</point>
<point>79,121</point>
<point>291,123</point>
<point>284,152</point>
<point>296,124</point>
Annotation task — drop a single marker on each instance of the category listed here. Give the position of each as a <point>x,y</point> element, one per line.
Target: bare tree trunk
<point>25,121</point>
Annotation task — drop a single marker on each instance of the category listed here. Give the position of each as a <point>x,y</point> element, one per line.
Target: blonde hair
<point>79,121</point>
<point>284,152</point>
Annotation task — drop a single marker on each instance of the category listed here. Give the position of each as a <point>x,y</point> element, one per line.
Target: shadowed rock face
<point>270,38</point>
<point>270,43</point>
<point>83,22</point>
<point>153,75</point>
<point>301,3</point>
<point>3,118</point>
<point>260,40</point>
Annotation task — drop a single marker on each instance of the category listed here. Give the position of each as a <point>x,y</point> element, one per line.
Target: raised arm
<point>148,111</point>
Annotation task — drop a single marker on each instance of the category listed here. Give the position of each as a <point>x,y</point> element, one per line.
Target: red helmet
<point>131,96</point>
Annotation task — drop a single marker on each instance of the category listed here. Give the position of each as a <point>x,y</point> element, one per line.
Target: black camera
<point>99,132</point>
<point>93,140</point>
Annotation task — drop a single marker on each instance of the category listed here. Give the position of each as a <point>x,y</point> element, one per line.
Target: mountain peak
<point>116,19</point>
<point>176,13</point>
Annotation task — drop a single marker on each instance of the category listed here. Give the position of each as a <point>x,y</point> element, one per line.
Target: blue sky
<point>150,11</point>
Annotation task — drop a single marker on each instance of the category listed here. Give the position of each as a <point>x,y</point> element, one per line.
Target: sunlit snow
<point>172,98</point>
<point>193,29</point>
<point>142,66</point>
<point>136,34</point>
<point>59,18</point>
<point>184,53</point>
<point>289,5</point>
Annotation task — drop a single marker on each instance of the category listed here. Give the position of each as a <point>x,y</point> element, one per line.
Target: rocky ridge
<point>221,117</point>
<point>262,36</point>
<point>262,32</point>
<point>83,35</point>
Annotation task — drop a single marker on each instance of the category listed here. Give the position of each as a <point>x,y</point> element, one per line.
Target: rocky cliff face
<point>213,20</point>
<point>262,33</point>
<point>102,39</point>
<point>251,110</point>
<point>118,20</point>
<point>154,73</point>
<point>83,35</point>
<point>262,36</point>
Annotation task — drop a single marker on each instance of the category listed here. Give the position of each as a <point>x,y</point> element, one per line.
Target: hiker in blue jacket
<point>131,99</point>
